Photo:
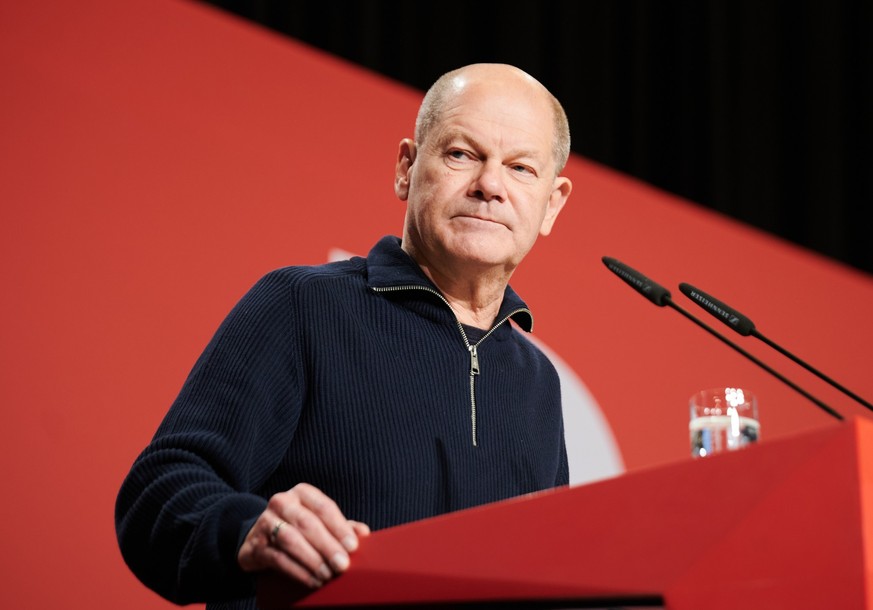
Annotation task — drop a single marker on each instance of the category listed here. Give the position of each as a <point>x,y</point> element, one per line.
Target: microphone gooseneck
<point>660,296</point>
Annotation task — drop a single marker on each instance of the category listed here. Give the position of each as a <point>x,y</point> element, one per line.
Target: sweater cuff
<point>224,579</point>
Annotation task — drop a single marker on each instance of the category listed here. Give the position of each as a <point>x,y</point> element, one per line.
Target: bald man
<point>375,391</point>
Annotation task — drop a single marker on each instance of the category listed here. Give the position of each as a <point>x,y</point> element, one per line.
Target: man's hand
<point>303,534</point>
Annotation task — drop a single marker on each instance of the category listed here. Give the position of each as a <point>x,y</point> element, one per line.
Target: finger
<point>273,543</point>
<point>295,544</point>
<point>261,550</point>
<point>252,555</point>
<point>281,561</point>
<point>362,530</point>
<point>329,515</point>
<point>308,540</point>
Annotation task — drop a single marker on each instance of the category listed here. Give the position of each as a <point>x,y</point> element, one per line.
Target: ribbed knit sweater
<point>353,376</point>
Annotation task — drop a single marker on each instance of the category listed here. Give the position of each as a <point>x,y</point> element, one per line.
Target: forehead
<point>507,115</point>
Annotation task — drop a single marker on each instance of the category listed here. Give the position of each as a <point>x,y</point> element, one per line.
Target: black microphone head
<point>723,312</point>
<point>656,293</point>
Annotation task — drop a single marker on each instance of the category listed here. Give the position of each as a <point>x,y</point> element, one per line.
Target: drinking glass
<point>722,419</point>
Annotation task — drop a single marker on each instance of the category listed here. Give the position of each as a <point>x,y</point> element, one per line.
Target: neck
<point>474,292</point>
<point>475,299</point>
<point>474,305</point>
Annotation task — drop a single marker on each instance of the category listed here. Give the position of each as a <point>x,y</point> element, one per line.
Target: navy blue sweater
<point>355,377</point>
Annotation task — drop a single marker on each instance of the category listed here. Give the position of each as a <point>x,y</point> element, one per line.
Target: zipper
<point>474,370</point>
<point>471,347</point>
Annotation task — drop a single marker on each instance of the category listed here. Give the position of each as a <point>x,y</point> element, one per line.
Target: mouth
<point>476,218</point>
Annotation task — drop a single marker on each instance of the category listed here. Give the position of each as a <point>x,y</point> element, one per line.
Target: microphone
<point>656,293</point>
<point>746,327</point>
<point>661,297</point>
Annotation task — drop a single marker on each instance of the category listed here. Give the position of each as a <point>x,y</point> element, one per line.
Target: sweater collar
<point>388,266</point>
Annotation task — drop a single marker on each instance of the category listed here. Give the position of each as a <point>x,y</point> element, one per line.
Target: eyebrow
<point>457,134</point>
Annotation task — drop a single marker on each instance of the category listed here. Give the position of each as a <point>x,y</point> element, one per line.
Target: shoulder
<point>285,280</point>
<point>302,274</point>
<point>281,290</point>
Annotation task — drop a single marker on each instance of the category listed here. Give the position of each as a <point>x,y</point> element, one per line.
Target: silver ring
<point>275,531</point>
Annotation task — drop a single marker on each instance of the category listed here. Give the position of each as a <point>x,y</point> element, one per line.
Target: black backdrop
<point>758,109</point>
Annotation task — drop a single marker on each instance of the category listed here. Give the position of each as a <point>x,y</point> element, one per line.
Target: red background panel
<point>157,157</point>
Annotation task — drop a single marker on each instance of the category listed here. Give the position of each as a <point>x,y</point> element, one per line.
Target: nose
<point>488,184</point>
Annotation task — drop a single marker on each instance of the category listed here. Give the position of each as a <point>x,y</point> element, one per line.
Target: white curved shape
<point>336,254</point>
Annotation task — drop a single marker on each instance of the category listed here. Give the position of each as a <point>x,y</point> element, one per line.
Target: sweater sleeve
<point>190,497</point>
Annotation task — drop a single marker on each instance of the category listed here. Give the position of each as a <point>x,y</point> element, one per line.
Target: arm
<point>188,516</point>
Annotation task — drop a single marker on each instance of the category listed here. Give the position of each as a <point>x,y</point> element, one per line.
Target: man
<point>376,391</point>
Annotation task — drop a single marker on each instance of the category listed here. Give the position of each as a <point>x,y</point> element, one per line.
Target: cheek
<point>422,205</point>
<point>437,188</point>
<point>531,209</point>
<point>420,198</point>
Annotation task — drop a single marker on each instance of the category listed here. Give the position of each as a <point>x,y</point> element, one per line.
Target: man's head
<point>481,180</point>
<point>450,83</point>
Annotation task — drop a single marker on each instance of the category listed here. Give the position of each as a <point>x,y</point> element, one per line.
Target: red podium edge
<point>782,524</point>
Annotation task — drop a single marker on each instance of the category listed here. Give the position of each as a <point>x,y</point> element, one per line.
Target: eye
<point>523,169</point>
<point>459,155</point>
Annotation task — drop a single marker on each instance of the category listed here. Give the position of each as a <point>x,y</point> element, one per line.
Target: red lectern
<point>783,524</point>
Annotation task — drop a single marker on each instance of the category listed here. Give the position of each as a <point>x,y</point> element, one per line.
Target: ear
<point>557,199</point>
<point>405,159</point>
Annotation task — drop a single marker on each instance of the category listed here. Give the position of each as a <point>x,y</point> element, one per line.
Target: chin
<point>481,257</point>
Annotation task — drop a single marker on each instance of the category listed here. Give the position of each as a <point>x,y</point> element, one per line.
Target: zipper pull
<point>474,361</point>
